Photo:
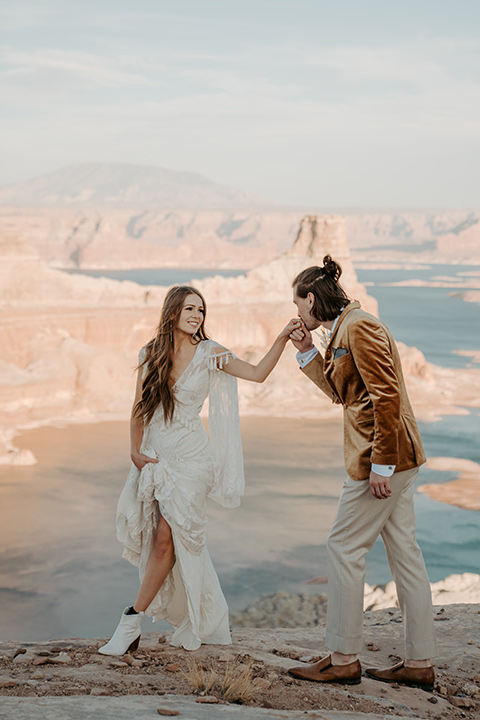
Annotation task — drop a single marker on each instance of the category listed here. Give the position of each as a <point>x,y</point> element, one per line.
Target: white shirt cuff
<point>306,357</point>
<point>383,470</point>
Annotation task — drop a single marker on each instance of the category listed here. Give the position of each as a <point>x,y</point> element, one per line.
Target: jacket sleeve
<point>314,371</point>
<point>371,349</point>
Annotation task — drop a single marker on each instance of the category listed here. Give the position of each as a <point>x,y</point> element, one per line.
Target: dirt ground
<point>253,670</point>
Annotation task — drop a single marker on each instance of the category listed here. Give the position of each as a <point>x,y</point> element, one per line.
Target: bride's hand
<point>294,324</point>
<point>302,338</point>
<point>140,460</point>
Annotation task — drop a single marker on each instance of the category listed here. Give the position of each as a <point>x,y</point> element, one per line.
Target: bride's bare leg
<point>158,566</point>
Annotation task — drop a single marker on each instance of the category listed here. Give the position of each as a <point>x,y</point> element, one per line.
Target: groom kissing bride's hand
<point>361,370</point>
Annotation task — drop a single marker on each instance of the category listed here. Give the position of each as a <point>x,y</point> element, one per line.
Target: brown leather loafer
<point>415,677</point>
<point>323,671</point>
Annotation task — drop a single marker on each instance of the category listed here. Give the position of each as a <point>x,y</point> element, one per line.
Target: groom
<point>361,370</point>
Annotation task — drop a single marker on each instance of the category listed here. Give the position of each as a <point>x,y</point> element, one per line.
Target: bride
<point>161,516</point>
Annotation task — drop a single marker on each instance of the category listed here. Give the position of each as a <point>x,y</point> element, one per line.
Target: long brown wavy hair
<point>157,387</point>
<point>329,296</point>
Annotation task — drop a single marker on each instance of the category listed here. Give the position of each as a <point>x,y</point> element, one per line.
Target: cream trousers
<point>360,519</point>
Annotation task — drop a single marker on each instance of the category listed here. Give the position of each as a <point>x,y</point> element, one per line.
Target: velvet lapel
<point>351,306</point>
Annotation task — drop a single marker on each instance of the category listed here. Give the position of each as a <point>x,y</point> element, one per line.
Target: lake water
<point>61,573</point>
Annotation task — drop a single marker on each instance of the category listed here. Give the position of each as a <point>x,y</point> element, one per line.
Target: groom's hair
<point>322,282</point>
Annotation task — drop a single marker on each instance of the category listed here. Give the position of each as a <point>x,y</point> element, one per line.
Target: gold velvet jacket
<point>362,371</point>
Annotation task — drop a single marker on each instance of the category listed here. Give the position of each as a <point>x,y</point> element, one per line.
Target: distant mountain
<point>122,185</point>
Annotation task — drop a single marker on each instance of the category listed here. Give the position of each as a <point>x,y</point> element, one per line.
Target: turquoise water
<point>428,317</point>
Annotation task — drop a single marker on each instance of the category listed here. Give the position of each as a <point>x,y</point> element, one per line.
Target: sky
<point>330,103</point>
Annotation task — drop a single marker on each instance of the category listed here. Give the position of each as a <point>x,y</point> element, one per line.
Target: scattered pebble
<point>462,702</point>
<point>173,668</point>
<point>118,664</point>
<point>166,711</point>
<point>162,639</point>
<point>63,657</point>
<point>432,699</point>
<point>372,647</point>
<point>19,651</point>
<point>8,682</point>
<point>207,700</point>
<point>261,683</point>
<point>100,691</point>
<point>41,661</point>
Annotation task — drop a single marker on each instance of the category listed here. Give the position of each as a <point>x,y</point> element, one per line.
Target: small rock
<point>226,657</point>
<point>173,668</point>
<point>63,657</point>
<point>432,699</point>
<point>8,682</point>
<point>261,683</point>
<point>40,661</point>
<point>43,653</point>
<point>137,663</point>
<point>442,690</point>
<point>127,659</point>
<point>99,691</point>
<point>162,639</point>
<point>476,678</point>
<point>288,680</point>
<point>208,700</point>
<point>118,664</point>
<point>19,651</point>
<point>462,702</point>
<point>166,711</point>
<point>267,704</point>
<point>56,649</point>
<point>470,689</point>
<point>442,667</point>
<point>470,642</point>
<point>37,676</point>
<point>372,647</point>
<point>25,657</point>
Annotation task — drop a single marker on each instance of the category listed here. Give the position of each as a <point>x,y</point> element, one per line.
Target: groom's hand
<point>380,486</point>
<point>302,338</point>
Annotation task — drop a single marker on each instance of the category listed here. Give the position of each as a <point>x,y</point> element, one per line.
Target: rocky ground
<point>40,680</point>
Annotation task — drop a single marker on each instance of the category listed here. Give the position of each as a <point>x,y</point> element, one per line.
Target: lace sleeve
<point>141,357</point>
<point>224,430</point>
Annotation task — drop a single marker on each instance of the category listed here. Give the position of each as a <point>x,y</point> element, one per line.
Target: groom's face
<point>304,308</point>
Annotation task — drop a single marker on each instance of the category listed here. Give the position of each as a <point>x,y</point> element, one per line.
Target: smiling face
<point>304,308</point>
<point>192,315</point>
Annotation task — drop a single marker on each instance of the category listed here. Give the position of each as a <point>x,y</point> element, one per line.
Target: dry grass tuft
<point>200,678</point>
<point>237,686</point>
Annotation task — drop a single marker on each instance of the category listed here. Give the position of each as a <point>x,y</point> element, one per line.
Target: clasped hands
<point>299,335</point>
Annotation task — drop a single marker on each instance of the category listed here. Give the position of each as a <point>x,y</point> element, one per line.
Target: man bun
<point>331,268</point>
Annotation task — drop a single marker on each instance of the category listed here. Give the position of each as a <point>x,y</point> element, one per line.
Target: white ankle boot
<point>126,636</point>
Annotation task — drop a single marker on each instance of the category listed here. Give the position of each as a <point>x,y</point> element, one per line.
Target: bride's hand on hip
<point>140,460</point>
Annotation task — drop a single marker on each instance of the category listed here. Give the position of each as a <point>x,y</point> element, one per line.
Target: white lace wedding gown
<point>192,466</point>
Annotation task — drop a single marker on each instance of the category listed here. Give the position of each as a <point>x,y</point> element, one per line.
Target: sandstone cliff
<point>69,343</point>
<point>165,236</point>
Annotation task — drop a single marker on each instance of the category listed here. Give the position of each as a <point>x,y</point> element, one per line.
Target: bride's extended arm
<point>260,371</point>
<point>136,430</point>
